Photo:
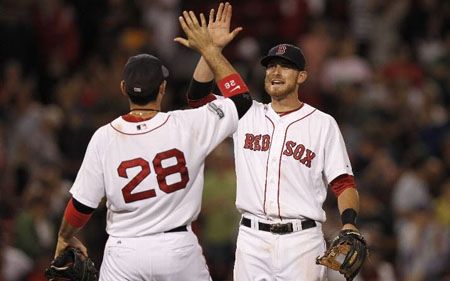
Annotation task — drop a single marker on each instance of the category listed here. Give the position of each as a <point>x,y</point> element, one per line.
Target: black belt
<point>177,229</point>
<point>279,228</point>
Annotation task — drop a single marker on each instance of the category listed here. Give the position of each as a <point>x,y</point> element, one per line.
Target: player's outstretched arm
<point>229,81</point>
<point>219,28</point>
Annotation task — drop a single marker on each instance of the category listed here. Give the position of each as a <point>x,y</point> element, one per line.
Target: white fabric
<point>274,184</point>
<point>173,256</point>
<point>263,256</point>
<point>192,134</point>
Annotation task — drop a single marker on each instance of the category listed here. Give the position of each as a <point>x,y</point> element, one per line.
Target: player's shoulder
<point>317,113</point>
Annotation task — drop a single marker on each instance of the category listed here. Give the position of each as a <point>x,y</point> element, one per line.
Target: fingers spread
<point>226,17</point>
<point>184,25</point>
<point>187,19</point>
<point>211,17</point>
<point>194,19</point>
<point>203,20</point>
<point>236,31</point>
<point>219,12</point>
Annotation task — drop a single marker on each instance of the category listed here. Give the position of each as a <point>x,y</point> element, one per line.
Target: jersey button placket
<point>273,171</point>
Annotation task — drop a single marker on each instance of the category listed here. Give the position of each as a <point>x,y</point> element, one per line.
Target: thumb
<point>182,41</point>
<point>236,32</point>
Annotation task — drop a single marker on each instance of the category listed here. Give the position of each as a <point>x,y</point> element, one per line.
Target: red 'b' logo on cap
<point>281,50</point>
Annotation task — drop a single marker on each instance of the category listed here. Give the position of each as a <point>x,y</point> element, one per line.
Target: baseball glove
<point>346,254</point>
<point>71,264</point>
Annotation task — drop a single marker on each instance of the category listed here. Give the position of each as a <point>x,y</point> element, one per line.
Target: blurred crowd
<point>381,68</point>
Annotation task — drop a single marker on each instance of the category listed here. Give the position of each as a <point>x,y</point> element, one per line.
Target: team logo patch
<point>214,108</point>
<point>281,50</point>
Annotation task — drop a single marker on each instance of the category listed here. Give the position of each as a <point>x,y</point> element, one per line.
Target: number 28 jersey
<point>151,172</point>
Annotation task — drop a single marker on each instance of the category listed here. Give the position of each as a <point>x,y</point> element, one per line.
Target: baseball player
<point>287,155</point>
<point>149,166</point>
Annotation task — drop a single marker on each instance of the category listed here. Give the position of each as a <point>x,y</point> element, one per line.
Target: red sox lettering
<point>257,142</point>
<point>297,151</point>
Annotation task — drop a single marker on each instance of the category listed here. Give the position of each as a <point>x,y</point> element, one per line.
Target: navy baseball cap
<point>288,52</point>
<point>143,74</point>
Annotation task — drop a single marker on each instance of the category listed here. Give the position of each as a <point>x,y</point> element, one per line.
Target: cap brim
<point>265,60</point>
<point>165,71</point>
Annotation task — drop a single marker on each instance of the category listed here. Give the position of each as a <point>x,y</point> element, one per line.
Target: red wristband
<point>74,217</point>
<point>232,85</point>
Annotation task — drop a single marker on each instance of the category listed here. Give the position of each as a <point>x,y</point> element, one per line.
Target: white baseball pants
<point>175,256</point>
<point>264,256</point>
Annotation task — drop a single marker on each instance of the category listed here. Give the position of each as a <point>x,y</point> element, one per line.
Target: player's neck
<point>144,111</point>
<point>287,104</point>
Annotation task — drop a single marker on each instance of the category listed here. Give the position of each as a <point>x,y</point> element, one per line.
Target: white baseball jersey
<point>151,172</point>
<point>284,164</point>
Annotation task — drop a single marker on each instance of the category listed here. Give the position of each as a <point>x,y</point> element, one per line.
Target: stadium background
<point>380,67</point>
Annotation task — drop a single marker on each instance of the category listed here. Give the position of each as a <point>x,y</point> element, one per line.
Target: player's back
<point>152,170</point>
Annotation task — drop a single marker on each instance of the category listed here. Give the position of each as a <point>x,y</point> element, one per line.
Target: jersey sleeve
<point>211,123</point>
<point>336,161</point>
<point>89,185</point>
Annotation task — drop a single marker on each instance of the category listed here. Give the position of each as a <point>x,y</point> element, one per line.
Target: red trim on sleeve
<point>341,183</point>
<point>74,217</point>
<point>201,102</point>
<point>232,85</point>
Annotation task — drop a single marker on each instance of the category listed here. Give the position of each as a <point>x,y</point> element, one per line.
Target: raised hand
<point>219,28</point>
<point>198,36</point>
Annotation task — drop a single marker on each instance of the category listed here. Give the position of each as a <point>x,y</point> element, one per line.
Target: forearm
<point>218,64</point>
<point>202,72</point>
<point>348,204</point>
<point>348,199</point>
<point>199,90</point>
<point>67,231</point>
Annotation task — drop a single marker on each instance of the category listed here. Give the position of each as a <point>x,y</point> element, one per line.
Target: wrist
<point>210,51</point>
<point>348,217</point>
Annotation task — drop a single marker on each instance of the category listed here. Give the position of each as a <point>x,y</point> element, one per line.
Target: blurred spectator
<point>220,219</point>
<point>14,264</point>
<point>35,232</point>
<point>443,206</point>
<point>161,20</point>
<point>377,268</point>
<point>294,19</point>
<point>422,240</point>
<point>346,67</point>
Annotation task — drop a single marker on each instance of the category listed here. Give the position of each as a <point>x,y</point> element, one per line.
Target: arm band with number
<point>349,216</point>
<point>232,85</point>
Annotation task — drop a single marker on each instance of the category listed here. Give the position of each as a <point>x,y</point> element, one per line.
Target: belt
<point>279,228</point>
<point>177,229</point>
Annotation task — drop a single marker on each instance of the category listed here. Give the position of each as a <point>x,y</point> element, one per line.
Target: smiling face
<point>282,78</point>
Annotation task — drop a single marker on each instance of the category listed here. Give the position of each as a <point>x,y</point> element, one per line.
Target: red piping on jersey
<point>135,119</point>
<point>267,166</point>
<point>279,162</point>
<point>140,133</point>
<point>284,113</point>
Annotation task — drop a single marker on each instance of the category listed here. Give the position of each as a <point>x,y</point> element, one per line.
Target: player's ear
<point>162,87</point>
<point>302,75</point>
<point>122,88</point>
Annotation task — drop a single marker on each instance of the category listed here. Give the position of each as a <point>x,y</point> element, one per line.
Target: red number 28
<point>161,175</point>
